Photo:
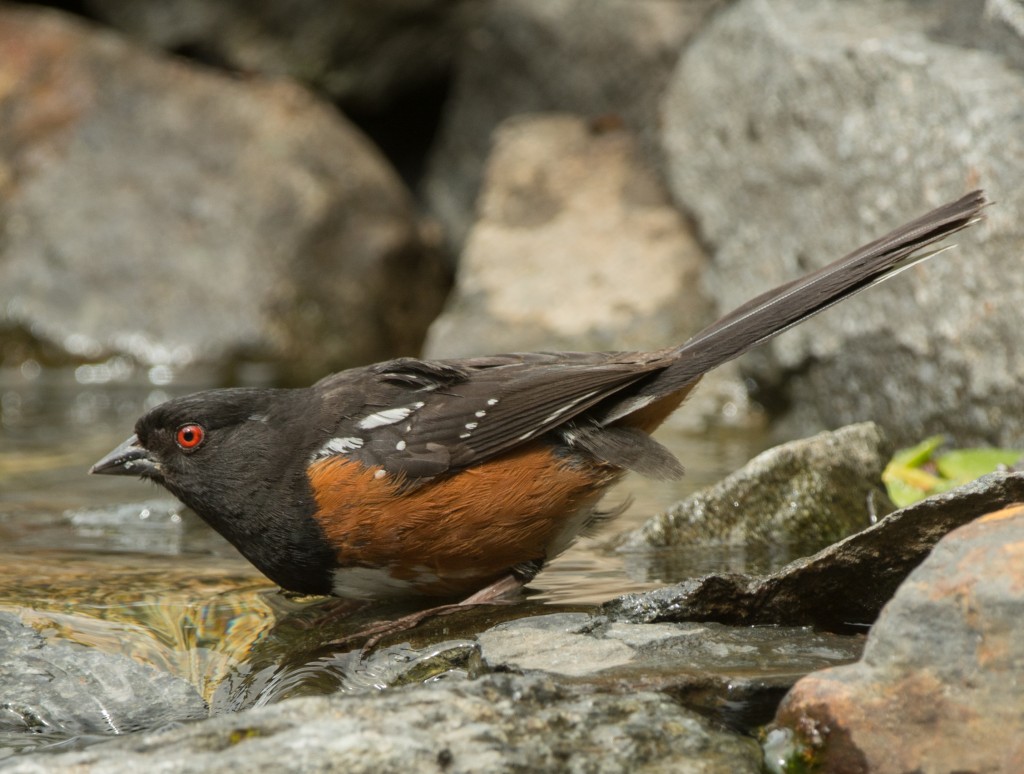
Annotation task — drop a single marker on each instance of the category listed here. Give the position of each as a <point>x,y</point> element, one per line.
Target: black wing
<point>423,418</point>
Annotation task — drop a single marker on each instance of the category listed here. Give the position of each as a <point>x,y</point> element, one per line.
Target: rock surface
<point>151,207</point>
<point>528,56</point>
<point>499,723</point>
<point>576,247</point>
<point>841,586</point>
<point>844,119</point>
<point>736,675</point>
<point>157,209</point>
<point>803,495</point>
<point>938,688</point>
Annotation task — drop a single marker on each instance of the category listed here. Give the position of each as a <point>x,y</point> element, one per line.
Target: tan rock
<point>576,247</point>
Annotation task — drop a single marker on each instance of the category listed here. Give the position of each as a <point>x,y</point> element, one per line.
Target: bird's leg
<point>503,591</point>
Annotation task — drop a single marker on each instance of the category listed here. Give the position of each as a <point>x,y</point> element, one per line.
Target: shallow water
<point>117,564</point>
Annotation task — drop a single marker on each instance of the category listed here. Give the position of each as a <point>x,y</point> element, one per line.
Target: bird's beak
<point>128,459</point>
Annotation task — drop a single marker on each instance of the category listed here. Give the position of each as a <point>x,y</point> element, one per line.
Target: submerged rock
<point>58,692</point>
<point>938,688</point>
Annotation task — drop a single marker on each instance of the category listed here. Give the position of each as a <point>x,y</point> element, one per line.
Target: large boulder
<point>796,130</point>
<point>938,687</point>
<point>156,209</point>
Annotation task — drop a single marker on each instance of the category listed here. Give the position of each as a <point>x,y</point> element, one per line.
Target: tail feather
<point>777,310</point>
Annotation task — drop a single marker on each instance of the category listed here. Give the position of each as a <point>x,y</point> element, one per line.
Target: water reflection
<point>194,620</point>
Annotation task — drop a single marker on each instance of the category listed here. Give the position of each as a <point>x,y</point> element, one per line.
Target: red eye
<point>189,436</point>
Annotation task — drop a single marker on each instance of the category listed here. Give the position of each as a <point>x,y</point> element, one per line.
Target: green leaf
<point>965,465</point>
<point>907,481</point>
<point>916,456</point>
<point>903,494</point>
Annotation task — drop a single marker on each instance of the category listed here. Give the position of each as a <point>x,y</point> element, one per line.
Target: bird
<point>460,478</point>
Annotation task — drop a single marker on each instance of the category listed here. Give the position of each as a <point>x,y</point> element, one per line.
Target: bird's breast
<point>457,533</point>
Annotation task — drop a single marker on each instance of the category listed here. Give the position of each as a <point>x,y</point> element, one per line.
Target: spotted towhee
<point>443,477</point>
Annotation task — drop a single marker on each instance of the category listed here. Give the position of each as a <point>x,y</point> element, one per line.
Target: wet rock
<point>52,691</point>
<point>841,586</point>
<point>576,247</point>
<point>803,495</point>
<point>844,119</point>
<point>608,59</point>
<point>560,643</point>
<point>156,209</point>
<point>938,688</point>
<point>500,723</point>
<point>737,675</point>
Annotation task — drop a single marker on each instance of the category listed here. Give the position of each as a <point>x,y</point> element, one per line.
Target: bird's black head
<point>200,445</point>
<point>237,457</point>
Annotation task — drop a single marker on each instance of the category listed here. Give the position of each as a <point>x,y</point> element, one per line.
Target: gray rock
<point>803,495</point>
<point>501,723</point>
<point>576,247</point>
<point>177,215</point>
<point>563,644</point>
<point>51,691</point>
<point>995,25</point>
<point>736,675</point>
<point>608,59</point>
<point>844,585</point>
<point>364,53</point>
<point>938,688</point>
<point>796,130</point>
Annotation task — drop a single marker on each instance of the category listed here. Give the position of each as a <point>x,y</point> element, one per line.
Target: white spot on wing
<point>492,401</point>
<point>400,446</point>
<point>481,414</point>
<point>472,425</point>
<point>385,417</point>
<point>338,446</point>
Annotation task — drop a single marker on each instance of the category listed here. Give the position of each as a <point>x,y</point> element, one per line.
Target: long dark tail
<point>771,313</point>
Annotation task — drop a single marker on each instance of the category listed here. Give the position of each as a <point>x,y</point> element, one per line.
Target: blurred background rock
<point>302,185</point>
